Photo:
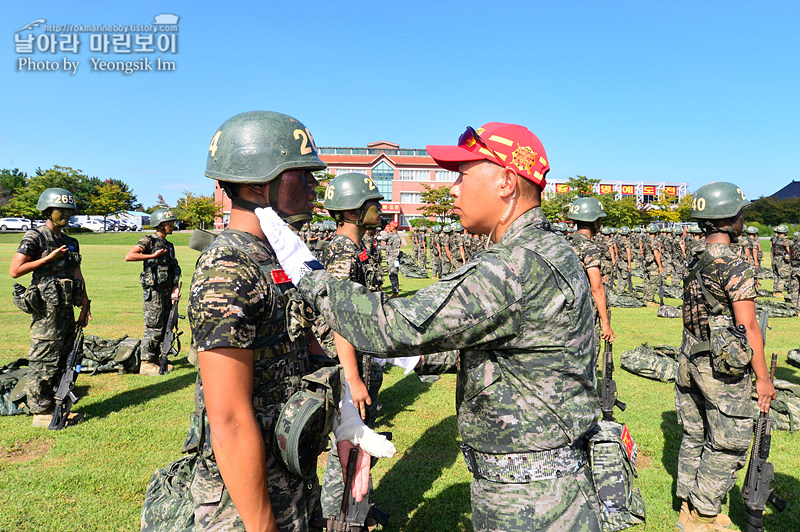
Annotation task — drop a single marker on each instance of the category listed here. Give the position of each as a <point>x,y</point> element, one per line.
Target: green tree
<point>12,182</point>
<point>197,210</point>
<point>665,208</point>
<point>109,199</point>
<point>437,203</point>
<point>24,203</point>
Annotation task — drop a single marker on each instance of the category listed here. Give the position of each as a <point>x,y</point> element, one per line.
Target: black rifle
<point>171,337</point>
<point>759,484</point>
<point>608,388</point>
<point>65,391</point>
<point>661,289</point>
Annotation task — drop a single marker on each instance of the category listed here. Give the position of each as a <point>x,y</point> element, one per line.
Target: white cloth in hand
<point>348,426</point>
<point>290,249</point>
<point>407,363</point>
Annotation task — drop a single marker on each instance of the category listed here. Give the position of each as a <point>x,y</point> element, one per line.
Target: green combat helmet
<point>752,230</point>
<point>677,230</point>
<point>717,201</point>
<point>448,229</point>
<point>437,229</point>
<point>256,147</point>
<point>606,230</point>
<point>160,216</point>
<point>348,192</point>
<point>624,230</point>
<point>780,229</point>
<point>586,210</point>
<point>457,227</point>
<point>58,198</point>
<point>652,229</point>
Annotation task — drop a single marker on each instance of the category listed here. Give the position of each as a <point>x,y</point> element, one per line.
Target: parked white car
<point>94,225</point>
<point>15,224</point>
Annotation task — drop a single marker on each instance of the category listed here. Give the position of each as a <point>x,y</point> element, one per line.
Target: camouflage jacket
<point>164,270</point>
<point>727,278</point>
<point>649,246</point>
<point>435,245</point>
<point>40,242</point>
<point>780,245</point>
<point>393,246</point>
<point>240,298</point>
<point>755,246</point>
<point>521,317</point>
<point>589,253</point>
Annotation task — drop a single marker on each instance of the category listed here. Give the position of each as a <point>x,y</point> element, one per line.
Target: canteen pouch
<point>28,300</point>
<point>730,351</point>
<point>147,279</point>
<point>612,458</point>
<point>162,275</point>
<point>57,292</point>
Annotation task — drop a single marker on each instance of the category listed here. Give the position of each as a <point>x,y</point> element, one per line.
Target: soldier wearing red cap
<point>517,320</point>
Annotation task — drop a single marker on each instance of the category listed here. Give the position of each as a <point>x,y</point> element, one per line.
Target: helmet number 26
<point>305,137</point>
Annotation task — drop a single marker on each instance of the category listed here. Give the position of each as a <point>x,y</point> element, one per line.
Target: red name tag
<point>627,440</point>
<point>280,277</point>
<point>363,255</point>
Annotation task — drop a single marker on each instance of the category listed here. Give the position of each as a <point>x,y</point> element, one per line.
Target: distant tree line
<point>19,194</point>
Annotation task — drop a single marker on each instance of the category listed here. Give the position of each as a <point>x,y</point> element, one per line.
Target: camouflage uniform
<point>456,241</point>
<point>520,315</point>
<point>781,268</point>
<point>436,261</point>
<point>623,245</point>
<point>606,265</point>
<point>678,258</point>
<point>714,409</point>
<point>589,255</point>
<point>423,250</point>
<point>754,244</point>
<point>649,267</point>
<point>159,276</point>
<point>53,331</point>
<point>392,257</point>
<point>794,279</point>
<point>345,260</point>
<point>236,301</point>
<point>444,241</point>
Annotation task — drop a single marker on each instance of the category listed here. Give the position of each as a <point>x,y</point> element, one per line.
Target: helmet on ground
<point>56,197</point>
<point>717,201</point>
<point>586,210</point>
<point>160,216</point>
<point>350,191</point>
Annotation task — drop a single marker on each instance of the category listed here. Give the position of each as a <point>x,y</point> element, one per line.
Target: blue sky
<point>674,91</point>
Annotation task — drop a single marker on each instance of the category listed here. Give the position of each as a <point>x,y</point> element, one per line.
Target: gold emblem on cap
<point>524,158</point>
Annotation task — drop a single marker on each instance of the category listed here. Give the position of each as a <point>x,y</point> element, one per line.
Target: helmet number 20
<point>306,137</point>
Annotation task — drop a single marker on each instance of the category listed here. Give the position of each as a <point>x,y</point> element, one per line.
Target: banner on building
<point>649,190</point>
<point>606,189</point>
<point>389,208</point>
<point>561,188</point>
<point>628,189</point>
<point>671,191</point>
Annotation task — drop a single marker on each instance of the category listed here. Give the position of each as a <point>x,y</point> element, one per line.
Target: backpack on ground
<point>658,362</point>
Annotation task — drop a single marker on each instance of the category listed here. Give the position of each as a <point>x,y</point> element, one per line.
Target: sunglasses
<point>469,137</point>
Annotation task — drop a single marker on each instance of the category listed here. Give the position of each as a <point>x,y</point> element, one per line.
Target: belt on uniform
<point>520,468</point>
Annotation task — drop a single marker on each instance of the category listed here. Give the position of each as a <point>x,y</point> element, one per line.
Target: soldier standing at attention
<point>712,394</point>
<point>587,213</point>
<point>436,251</point>
<point>160,279</point>
<point>519,316</point>
<point>57,284</point>
<point>425,238</point>
<point>393,244</point>
<point>794,280</point>
<point>651,264</point>
<point>251,345</point>
<point>353,201</point>
<point>754,246</point>
<point>625,258</point>
<point>781,267</point>
<point>444,242</point>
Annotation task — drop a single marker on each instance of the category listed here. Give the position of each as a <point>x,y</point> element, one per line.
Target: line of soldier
<point>450,247</point>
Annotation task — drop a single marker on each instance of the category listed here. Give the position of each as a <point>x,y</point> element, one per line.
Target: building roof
<point>370,160</point>
<point>792,190</point>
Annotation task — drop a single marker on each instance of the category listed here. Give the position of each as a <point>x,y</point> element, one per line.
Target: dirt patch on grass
<point>25,451</point>
<point>643,461</point>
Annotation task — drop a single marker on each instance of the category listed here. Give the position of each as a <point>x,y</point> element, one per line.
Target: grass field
<point>93,476</point>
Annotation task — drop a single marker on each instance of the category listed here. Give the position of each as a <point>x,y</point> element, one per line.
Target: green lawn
<point>93,476</point>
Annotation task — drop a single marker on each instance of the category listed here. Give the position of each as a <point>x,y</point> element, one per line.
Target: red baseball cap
<point>508,145</point>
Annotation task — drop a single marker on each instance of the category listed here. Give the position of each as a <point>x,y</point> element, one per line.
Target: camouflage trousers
<point>606,268</point>
<point>666,263</point>
<point>715,412</point>
<point>794,286</point>
<point>423,258</point>
<point>446,266</point>
<point>650,280</point>
<point>621,277</point>
<point>333,482</point>
<point>156,306</point>
<point>781,271</point>
<point>294,501</point>
<point>52,336</point>
<point>566,504</point>
<point>436,266</point>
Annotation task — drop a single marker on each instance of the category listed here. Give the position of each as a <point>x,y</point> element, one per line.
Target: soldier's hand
<point>360,395</point>
<point>360,485</point>
<point>766,393</point>
<point>158,253</point>
<point>606,332</point>
<point>56,253</point>
<point>176,294</point>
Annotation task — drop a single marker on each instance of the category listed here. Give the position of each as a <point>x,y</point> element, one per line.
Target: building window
<point>383,174</point>
<point>446,176</point>
<point>340,171</point>
<point>405,221</point>
<point>410,197</point>
<point>415,175</point>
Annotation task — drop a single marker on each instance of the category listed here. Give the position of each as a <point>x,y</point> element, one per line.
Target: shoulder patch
<point>280,277</point>
<point>363,256</point>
